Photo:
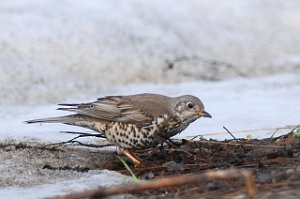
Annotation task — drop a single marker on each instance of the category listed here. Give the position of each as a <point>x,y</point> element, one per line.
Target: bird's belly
<point>129,136</point>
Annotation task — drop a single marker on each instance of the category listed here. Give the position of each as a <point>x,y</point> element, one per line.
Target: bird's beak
<point>204,114</point>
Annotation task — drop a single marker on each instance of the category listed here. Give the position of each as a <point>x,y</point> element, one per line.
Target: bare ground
<point>275,163</point>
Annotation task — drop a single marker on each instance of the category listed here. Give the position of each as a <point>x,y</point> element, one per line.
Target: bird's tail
<point>74,120</point>
<point>62,119</point>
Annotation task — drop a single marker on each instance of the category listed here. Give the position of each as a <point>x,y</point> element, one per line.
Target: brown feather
<point>136,109</point>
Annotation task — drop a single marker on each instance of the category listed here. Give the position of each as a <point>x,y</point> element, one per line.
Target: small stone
<point>174,166</point>
<point>290,171</point>
<point>150,175</point>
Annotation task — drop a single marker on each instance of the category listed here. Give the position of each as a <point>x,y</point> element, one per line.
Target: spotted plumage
<point>136,121</point>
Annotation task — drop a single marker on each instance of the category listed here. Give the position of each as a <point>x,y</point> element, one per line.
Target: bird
<point>133,122</point>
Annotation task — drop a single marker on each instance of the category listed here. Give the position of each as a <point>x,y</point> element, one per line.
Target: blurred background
<point>240,57</point>
<point>51,51</point>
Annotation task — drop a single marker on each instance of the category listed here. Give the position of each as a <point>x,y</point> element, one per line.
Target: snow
<point>238,104</point>
<point>91,180</point>
<point>87,46</point>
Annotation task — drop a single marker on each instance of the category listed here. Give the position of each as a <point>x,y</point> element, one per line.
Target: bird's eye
<point>190,105</point>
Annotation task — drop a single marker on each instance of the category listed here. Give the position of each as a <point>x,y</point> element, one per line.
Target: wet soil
<point>275,163</point>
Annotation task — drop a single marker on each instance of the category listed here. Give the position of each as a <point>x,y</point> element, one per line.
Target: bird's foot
<point>134,158</point>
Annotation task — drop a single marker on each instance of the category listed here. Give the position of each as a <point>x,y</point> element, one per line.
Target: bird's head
<point>189,108</point>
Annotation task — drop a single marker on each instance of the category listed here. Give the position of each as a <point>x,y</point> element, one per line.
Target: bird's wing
<point>138,110</point>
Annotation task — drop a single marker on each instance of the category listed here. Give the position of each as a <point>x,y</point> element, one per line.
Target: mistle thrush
<point>136,121</point>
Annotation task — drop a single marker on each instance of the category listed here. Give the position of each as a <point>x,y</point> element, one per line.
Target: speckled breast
<point>131,136</point>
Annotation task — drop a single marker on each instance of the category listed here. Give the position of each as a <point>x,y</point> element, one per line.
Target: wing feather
<point>116,108</point>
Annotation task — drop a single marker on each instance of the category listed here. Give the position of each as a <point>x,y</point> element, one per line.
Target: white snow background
<point>238,104</point>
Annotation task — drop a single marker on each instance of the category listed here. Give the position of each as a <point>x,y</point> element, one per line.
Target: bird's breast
<point>132,136</point>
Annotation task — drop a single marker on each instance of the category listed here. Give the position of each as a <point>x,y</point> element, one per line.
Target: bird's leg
<point>163,140</point>
<point>134,158</point>
<point>172,143</point>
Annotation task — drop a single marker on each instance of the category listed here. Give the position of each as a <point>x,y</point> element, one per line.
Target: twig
<point>81,135</point>
<point>172,143</point>
<point>229,132</point>
<point>274,133</point>
<point>200,136</point>
<point>238,144</point>
<point>80,143</point>
<point>279,184</point>
<point>180,150</point>
<point>90,145</point>
<point>251,130</point>
<point>295,128</point>
<point>250,184</point>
